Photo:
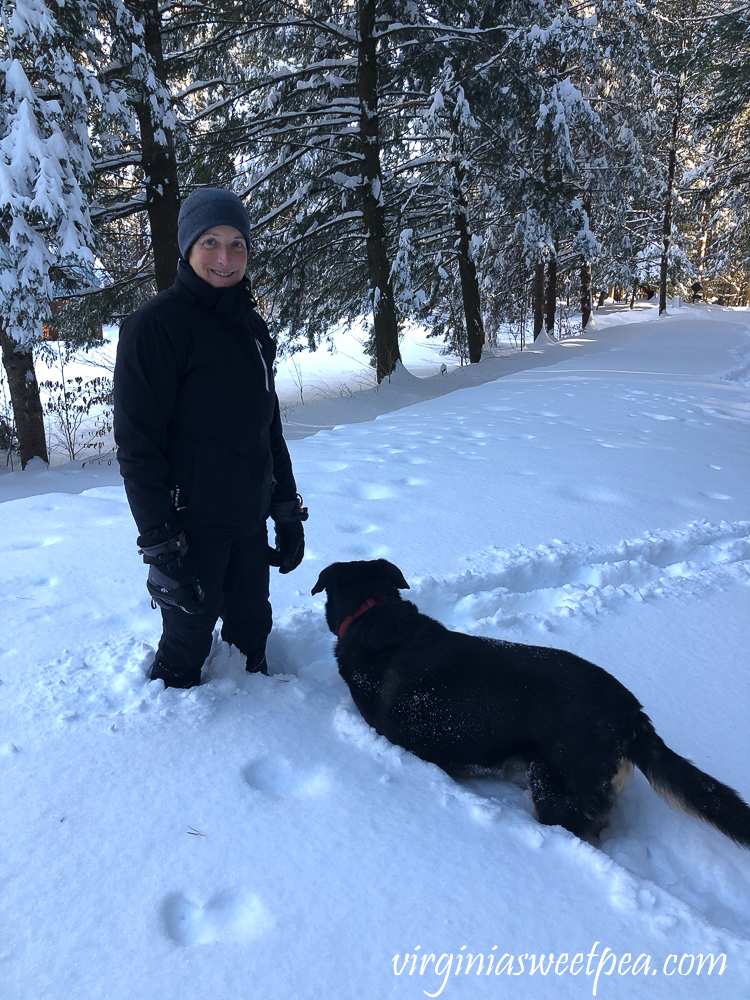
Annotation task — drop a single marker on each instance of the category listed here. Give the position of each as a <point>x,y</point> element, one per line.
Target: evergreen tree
<point>442,210</point>
<point>176,66</point>
<point>45,165</point>
<point>322,136</point>
<point>724,233</point>
<point>547,128</point>
<point>680,47</point>
<point>340,146</point>
<point>136,161</point>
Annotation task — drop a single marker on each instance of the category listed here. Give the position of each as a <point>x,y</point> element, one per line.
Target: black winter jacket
<point>196,417</point>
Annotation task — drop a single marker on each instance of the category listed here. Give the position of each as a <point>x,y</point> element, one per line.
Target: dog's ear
<point>322,581</point>
<point>394,575</point>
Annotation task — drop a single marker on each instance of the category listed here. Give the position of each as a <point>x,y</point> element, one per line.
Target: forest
<point>472,167</point>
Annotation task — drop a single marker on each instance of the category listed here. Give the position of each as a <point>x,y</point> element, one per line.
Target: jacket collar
<point>229,304</point>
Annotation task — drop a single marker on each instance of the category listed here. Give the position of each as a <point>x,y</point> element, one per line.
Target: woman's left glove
<point>289,534</point>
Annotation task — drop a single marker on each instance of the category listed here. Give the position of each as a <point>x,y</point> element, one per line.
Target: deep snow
<point>254,837</point>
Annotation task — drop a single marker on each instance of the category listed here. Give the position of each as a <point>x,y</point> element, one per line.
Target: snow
<point>253,837</point>
<point>339,382</point>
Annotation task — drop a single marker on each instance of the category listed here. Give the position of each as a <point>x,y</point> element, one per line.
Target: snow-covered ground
<point>254,838</point>
<point>336,379</point>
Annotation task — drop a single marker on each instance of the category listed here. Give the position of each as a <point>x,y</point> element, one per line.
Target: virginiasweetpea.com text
<point>596,963</point>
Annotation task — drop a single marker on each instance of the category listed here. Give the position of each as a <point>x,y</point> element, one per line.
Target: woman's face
<point>219,256</point>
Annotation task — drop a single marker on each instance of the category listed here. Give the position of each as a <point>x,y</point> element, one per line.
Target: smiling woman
<point>219,256</point>
<point>201,448</point>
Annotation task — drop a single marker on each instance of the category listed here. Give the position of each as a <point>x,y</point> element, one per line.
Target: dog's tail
<point>685,787</point>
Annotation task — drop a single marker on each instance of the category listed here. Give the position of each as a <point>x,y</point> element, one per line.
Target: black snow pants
<point>233,570</point>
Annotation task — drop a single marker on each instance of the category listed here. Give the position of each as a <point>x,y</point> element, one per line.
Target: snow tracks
<point>562,580</point>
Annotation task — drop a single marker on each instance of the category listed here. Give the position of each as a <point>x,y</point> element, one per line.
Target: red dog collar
<point>371,602</point>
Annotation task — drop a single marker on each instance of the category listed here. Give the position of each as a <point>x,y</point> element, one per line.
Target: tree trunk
<point>466,267</point>
<point>538,298</point>
<point>551,300</point>
<point>585,293</point>
<point>159,165</point>
<point>586,301</point>
<point>668,208</point>
<point>24,396</point>
<point>666,233</point>
<point>373,208</point>
<point>469,287</point>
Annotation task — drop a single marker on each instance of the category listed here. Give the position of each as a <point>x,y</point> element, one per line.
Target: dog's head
<point>349,584</point>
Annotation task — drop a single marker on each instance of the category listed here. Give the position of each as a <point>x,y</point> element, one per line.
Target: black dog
<point>466,702</point>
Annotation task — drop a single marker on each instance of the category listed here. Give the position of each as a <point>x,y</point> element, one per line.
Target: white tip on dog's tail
<point>687,788</point>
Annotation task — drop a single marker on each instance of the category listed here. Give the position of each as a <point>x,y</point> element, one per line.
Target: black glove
<point>289,534</point>
<point>171,580</point>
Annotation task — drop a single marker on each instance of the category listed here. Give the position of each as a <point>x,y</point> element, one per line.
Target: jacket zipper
<point>263,362</point>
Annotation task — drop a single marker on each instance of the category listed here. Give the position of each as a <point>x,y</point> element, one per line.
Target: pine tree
<point>136,160</point>
<point>442,209</point>
<point>45,165</point>
<point>680,54</point>
<point>176,69</point>
<point>724,235</point>
<point>545,130</point>
<point>340,149</point>
<point>318,181</point>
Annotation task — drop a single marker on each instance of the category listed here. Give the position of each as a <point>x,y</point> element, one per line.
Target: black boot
<point>172,680</point>
<point>256,661</point>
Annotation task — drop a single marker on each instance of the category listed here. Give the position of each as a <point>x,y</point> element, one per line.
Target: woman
<point>201,449</point>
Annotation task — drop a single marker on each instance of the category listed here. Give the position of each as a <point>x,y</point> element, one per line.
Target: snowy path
<point>254,837</point>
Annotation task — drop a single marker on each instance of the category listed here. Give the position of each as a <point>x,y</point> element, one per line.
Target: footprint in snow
<point>280,777</point>
<point>26,544</point>
<point>367,491</point>
<point>229,917</point>
<point>360,528</point>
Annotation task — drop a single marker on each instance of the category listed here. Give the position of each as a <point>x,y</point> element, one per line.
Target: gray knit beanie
<point>209,207</point>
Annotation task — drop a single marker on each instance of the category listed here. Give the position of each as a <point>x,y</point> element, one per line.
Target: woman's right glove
<point>171,580</point>
<point>289,534</point>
